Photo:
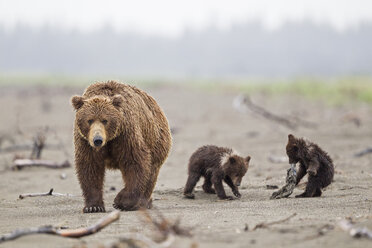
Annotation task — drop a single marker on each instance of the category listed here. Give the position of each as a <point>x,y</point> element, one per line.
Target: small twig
<point>164,226</point>
<point>22,163</point>
<point>356,232</point>
<point>268,186</point>
<point>132,241</point>
<point>72,233</point>
<point>22,196</point>
<point>362,153</point>
<point>267,224</point>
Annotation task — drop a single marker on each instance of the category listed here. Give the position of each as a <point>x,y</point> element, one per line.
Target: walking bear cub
<point>216,164</point>
<point>118,126</point>
<point>313,161</point>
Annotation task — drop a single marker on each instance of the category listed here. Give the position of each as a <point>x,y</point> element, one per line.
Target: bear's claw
<point>94,209</point>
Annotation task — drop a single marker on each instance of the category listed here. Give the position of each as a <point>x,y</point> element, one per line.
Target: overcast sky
<point>172,17</point>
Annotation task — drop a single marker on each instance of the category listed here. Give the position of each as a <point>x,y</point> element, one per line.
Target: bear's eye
<point>104,122</point>
<point>90,122</point>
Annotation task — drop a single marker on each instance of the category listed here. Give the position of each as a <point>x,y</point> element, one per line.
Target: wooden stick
<point>72,233</point>
<point>362,153</point>
<point>290,122</point>
<point>22,196</point>
<point>356,232</point>
<point>267,224</point>
<point>23,163</point>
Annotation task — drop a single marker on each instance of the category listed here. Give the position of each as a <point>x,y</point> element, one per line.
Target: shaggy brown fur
<point>216,164</point>
<point>118,126</point>
<point>313,161</point>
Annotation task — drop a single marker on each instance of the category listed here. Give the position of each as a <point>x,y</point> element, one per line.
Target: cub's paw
<point>189,195</point>
<point>311,172</point>
<point>94,209</point>
<point>302,195</point>
<point>209,190</point>
<point>237,194</point>
<point>227,198</point>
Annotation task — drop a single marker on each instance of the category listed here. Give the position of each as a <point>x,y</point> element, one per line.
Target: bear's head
<point>98,118</point>
<point>235,167</point>
<point>292,149</point>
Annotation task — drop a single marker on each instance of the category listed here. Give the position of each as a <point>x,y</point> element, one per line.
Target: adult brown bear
<point>118,126</point>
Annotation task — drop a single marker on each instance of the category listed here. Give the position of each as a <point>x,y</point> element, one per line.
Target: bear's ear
<point>77,102</point>
<point>232,160</point>
<point>248,158</point>
<point>117,100</point>
<point>291,137</point>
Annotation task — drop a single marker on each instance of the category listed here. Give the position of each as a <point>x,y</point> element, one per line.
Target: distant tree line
<point>249,50</point>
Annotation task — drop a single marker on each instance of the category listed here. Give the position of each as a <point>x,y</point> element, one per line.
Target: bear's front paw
<point>237,194</point>
<point>94,209</point>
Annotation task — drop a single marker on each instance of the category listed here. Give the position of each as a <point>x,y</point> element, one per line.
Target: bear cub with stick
<point>313,161</point>
<point>216,164</point>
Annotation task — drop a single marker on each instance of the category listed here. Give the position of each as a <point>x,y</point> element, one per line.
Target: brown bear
<point>118,126</point>
<point>313,161</point>
<point>216,164</point>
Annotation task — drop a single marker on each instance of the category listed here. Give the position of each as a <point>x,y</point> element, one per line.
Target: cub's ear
<point>232,160</point>
<point>117,100</point>
<point>77,102</point>
<point>248,158</point>
<point>291,137</point>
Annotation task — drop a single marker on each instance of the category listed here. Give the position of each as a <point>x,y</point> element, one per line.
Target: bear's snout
<point>97,135</point>
<point>97,141</point>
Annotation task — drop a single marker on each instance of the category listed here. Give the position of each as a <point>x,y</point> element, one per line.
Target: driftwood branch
<point>23,163</point>
<point>267,224</point>
<point>242,102</point>
<point>164,226</point>
<point>356,232</point>
<point>50,193</point>
<point>288,188</point>
<point>70,233</point>
<point>362,153</point>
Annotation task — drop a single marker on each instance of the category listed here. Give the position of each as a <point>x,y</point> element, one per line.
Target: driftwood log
<point>292,122</point>
<point>23,163</point>
<point>69,233</point>
<point>287,189</point>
